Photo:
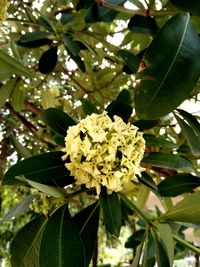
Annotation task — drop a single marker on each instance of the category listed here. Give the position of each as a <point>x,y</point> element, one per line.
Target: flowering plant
<point>102,152</point>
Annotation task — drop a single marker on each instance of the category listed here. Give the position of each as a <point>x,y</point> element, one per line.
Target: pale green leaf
<point>12,65</point>
<point>188,210</point>
<point>166,236</point>
<point>6,89</point>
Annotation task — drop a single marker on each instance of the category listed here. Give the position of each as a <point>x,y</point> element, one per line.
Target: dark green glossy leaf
<point>192,138</point>
<point>130,59</point>
<point>26,245</point>
<point>124,97</point>
<point>126,211</point>
<point>192,6</point>
<point>36,43</point>
<point>88,107</point>
<point>168,161</point>
<point>152,141</point>
<point>112,212</point>
<point>45,23</point>
<point>40,168</point>
<point>66,17</point>
<point>59,140</point>
<point>135,239</point>
<point>82,4</point>
<point>121,106</point>
<point>9,64</point>
<point>48,60</point>
<point>175,185</point>
<point>146,124</point>
<point>191,120</point>
<point>147,180</point>
<point>87,221</point>
<point>79,62</point>
<point>98,13</point>
<point>19,208</point>
<point>187,210</point>
<point>34,36</point>
<point>61,243</point>
<point>141,24</point>
<point>72,46</point>
<point>163,87</point>
<point>57,120</point>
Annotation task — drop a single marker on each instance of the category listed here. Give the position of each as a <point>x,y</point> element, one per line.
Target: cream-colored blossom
<point>3,10</point>
<point>102,152</point>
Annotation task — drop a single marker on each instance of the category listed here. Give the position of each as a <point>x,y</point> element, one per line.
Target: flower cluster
<point>3,10</point>
<point>102,152</point>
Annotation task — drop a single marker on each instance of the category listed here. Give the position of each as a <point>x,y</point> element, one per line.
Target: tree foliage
<point>61,61</point>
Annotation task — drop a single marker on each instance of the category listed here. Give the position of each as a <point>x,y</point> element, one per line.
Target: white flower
<point>3,10</point>
<point>102,152</point>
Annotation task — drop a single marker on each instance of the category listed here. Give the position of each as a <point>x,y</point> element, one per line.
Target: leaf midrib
<point>171,65</point>
<point>38,233</point>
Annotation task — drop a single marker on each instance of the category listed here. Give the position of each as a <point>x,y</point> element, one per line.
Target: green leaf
<point>146,124</point>
<point>19,208</point>
<point>166,236</point>
<point>161,255</point>
<point>175,185</point>
<point>130,59</point>
<point>147,180</point>
<point>112,212</point>
<point>40,168</point>
<point>87,221</point>
<point>153,141</point>
<point>57,120</point>
<point>191,120</point>
<point>11,65</point>
<point>79,62</point>
<point>82,4</point>
<point>66,17</point>
<point>163,87</point>
<point>25,247</point>
<point>121,106</point>
<point>192,6</point>
<point>192,139</point>
<point>34,36</point>
<point>6,89</point>
<point>48,60</point>
<point>187,210</point>
<point>72,46</point>
<point>61,243</point>
<point>98,13</point>
<point>45,23</point>
<point>135,239</point>
<point>47,189</point>
<point>168,161</point>
<point>18,97</point>
<point>35,43</point>
<point>35,39</point>
<point>88,107</point>
<point>142,24</point>
<point>21,150</point>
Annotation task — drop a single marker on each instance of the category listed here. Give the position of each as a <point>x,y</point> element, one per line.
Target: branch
<point>31,128</point>
<point>141,12</point>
